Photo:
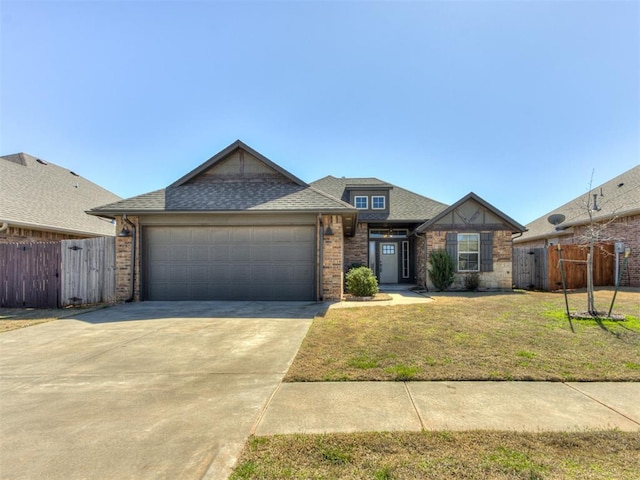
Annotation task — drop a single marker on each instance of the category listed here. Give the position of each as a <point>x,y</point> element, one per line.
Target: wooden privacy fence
<point>539,268</point>
<point>52,275</point>
<point>29,275</point>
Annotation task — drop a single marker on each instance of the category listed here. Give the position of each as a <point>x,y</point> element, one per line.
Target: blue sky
<point>518,101</point>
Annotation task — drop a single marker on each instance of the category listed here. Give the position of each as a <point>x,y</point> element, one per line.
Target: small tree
<point>361,282</point>
<point>442,269</point>
<point>595,233</point>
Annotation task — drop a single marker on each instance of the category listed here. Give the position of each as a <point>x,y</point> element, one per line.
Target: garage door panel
<point>199,253</point>
<point>178,253</point>
<point>229,263</point>
<point>159,253</point>
<point>180,235</point>
<point>242,234</point>
<point>201,235</point>
<point>219,253</point>
<point>240,253</point>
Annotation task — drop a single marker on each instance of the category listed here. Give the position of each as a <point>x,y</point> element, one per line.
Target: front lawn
<point>443,455</point>
<point>481,336</point>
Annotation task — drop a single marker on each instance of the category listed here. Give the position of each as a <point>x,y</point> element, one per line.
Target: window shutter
<point>486,252</point>
<point>452,247</point>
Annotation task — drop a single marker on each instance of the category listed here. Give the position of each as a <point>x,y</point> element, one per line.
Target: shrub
<point>442,269</point>
<point>472,281</point>
<point>361,282</point>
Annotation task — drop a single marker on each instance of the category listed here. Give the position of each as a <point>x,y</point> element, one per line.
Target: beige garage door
<point>229,263</point>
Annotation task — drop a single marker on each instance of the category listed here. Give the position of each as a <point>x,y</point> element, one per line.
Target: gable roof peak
<point>225,153</point>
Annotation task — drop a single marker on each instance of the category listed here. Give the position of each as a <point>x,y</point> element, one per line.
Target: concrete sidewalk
<point>413,406</point>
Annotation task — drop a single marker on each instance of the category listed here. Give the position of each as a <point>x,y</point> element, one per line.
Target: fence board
<point>29,275</point>
<point>88,271</point>
<point>575,266</point>
<point>530,268</point>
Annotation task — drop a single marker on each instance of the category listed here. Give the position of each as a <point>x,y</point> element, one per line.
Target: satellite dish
<point>556,219</point>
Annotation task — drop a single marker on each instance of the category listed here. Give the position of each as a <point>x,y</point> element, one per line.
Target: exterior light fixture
<point>124,232</point>
<point>328,231</point>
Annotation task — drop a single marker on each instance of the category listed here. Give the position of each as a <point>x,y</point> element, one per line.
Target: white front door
<point>388,263</point>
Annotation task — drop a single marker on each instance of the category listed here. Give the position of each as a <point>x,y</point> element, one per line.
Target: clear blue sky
<point>518,101</point>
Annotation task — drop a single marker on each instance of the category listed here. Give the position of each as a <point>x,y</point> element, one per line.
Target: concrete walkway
<point>414,406</point>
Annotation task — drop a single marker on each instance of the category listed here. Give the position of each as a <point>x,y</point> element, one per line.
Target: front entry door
<point>388,263</point>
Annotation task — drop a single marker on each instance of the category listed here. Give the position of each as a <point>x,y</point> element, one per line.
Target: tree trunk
<point>591,305</point>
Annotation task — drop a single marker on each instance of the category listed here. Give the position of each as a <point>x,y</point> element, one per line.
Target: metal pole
<point>627,251</point>
<point>564,286</point>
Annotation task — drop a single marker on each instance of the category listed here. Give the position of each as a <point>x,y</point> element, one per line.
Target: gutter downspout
<point>4,226</point>
<point>133,258</point>
<point>519,234</point>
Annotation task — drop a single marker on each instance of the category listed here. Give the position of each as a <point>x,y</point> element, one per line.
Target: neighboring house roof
<point>40,195</point>
<point>619,197</point>
<point>452,217</point>
<point>404,205</point>
<point>238,179</point>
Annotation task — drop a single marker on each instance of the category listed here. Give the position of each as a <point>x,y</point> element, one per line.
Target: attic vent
<point>41,161</point>
<point>74,174</point>
<point>620,184</point>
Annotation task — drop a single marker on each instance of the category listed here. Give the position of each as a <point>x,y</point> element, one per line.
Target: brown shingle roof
<point>404,205</point>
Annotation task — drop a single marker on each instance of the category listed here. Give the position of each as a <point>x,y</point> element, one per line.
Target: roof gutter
<point>4,226</point>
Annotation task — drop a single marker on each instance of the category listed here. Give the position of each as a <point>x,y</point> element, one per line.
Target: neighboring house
<point>40,201</point>
<point>241,227</point>
<point>615,209</point>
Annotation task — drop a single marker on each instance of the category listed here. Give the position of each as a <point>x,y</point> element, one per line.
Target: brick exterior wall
<point>123,262</point>
<point>622,229</point>
<point>333,259</point>
<point>356,248</point>
<point>421,261</point>
<point>27,235</point>
<point>499,279</point>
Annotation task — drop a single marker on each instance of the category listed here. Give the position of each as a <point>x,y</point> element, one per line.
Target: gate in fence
<point>539,268</point>
<point>57,274</point>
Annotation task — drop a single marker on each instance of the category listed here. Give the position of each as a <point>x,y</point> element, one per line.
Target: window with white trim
<point>377,202</point>
<point>361,202</point>
<point>468,252</point>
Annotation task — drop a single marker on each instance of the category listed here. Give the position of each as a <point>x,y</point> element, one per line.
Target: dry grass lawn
<point>480,336</point>
<point>443,455</point>
<point>14,318</point>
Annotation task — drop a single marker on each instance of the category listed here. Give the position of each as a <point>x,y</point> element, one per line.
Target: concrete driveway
<point>147,390</point>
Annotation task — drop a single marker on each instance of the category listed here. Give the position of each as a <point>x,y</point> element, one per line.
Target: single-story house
<point>614,210</point>
<point>41,201</point>
<point>241,227</point>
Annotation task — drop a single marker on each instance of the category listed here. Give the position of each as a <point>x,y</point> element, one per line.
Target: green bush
<point>361,282</point>
<point>472,281</point>
<point>442,269</point>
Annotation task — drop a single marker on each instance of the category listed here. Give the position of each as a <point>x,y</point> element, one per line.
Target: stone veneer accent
<point>123,262</point>
<point>356,248</point>
<point>332,259</point>
<point>500,278</point>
